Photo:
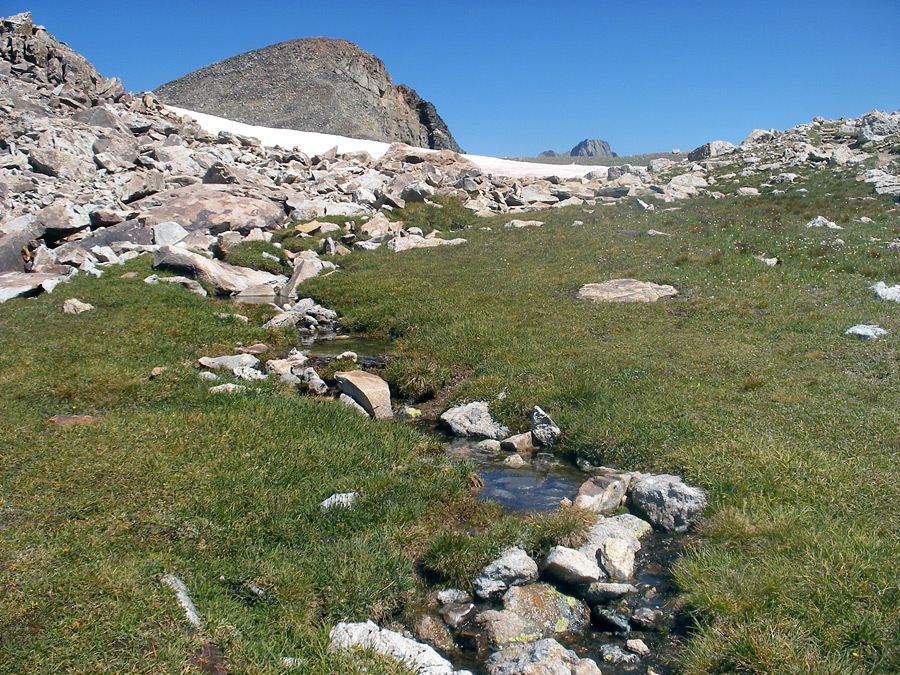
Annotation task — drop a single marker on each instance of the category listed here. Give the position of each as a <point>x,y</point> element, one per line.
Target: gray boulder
<point>667,502</point>
<point>544,657</point>
<point>571,566</point>
<point>473,419</point>
<point>543,429</point>
<point>710,150</point>
<point>876,125</point>
<point>592,147</point>
<point>513,568</point>
<point>369,390</point>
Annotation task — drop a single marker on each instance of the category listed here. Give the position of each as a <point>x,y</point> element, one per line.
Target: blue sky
<point>517,78</point>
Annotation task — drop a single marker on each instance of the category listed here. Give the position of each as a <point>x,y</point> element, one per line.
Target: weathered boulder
<point>518,443</point>
<point>603,494</point>
<point>543,429</point>
<point>710,150</point>
<point>315,383</point>
<point>369,390</point>
<point>224,278</point>
<point>473,419</point>
<point>885,292</point>
<point>544,657</point>
<point>216,208</point>
<point>307,269</point>
<point>513,568</point>
<point>876,125</point>
<point>229,362</point>
<point>866,331</point>
<point>60,164</point>
<point>667,502</point>
<point>625,290</point>
<point>76,306</point>
<point>546,611</point>
<point>21,284</point>
<point>571,566</point>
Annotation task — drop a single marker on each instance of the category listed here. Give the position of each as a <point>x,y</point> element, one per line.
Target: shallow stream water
<point>540,485</point>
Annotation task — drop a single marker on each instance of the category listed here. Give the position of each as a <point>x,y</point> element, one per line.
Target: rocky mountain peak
<point>312,84</point>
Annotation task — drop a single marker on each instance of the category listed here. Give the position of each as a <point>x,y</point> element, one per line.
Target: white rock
<point>524,223</point>
<point>571,566</point>
<point>227,388</point>
<point>885,292</point>
<point>76,306</point>
<point>866,331</point>
<point>342,499</point>
<point>229,362</point>
<point>822,221</point>
<point>625,290</point>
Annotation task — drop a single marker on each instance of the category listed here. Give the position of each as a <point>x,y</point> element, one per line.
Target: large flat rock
<point>224,278</point>
<point>625,290</point>
<point>369,390</point>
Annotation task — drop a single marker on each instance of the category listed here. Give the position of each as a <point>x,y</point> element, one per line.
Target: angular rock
<point>369,390</point>
<point>543,429</point>
<point>625,290</point>
<point>166,234</point>
<point>667,502</point>
<point>616,558</point>
<point>342,499</point>
<point>315,383</point>
<point>307,269</point>
<point>603,494</point>
<point>610,620</point>
<point>885,292</point>
<point>615,654</point>
<point>473,419</point>
<point>224,278</point>
<point>21,284</point>
<point>518,443</point>
<point>513,568</point>
<point>141,185</point>
<point>602,592</point>
<point>419,657</point>
<point>571,566</point>
<point>710,150</point>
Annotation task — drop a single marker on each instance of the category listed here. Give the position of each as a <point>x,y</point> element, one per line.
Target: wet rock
<point>866,331</point>
<point>431,630</point>
<point>515,461</point>
<point>605,529</point>
<point>610,620</point>
<point>603,494</point>
<point>76,306</point>
<point>513,568</point>
<point>451,595</point>
<point>571,566</point>
<point>455,614</point>
<point>489,445</point>
<point>473,419</point>
<point>544,657</point>
<point>518,443</point>
<point>601,592</point>
<point>503,628</point>
<point>667,502</point>
<point>637,646</point>
<point>369,390</point>
<point>421,658</point>
<point>544,610</point>
<point>625,290</point>
<point>632,523</point>
<point>615,654</point>
<point>543,429</point>
<point>229,361</point>
<point>645,618</point>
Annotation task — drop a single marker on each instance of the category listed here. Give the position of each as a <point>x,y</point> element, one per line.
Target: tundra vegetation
<point>744,383</point>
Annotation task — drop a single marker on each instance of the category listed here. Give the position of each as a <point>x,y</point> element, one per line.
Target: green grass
<point>744,383</point>
<point>250,254</point>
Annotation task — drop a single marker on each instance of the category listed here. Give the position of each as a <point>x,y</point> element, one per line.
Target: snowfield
<point>313,143</point>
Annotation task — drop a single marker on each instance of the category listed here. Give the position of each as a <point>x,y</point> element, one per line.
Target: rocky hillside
<point>312,84</point>
<point>91,175</point>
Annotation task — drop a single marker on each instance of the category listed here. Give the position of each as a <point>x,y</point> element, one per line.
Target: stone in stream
<point>601,592</point>
<point>514,567</point>
<point>369,390</point>
<point>545,610</point>
<point>603,494</point>
<point>625,290</point>
<point>645,618</point>
<point>518,443</point>
<point>544,657</point>
<point>637,646</point>
<point>615,654</point>
<point>473,419</point>
<point>430,629</point>
<point>419,657</point>
<point>616,558</point>
<point>571,566</point>
<point>667,502</point>
<point>456,614</point>
<point>605,529</point>
<point>515,461</point>
<point>610,620</point>
<point>544,431</point>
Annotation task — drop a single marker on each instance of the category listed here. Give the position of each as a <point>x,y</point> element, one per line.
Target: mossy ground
<point>744,383</point>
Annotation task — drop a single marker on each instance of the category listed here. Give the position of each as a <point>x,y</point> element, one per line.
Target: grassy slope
<point>744,384</point>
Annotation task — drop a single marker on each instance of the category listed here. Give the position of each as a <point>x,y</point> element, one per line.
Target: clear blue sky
<point>517,78</point>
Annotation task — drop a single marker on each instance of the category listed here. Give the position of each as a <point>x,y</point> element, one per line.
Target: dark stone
<point>610,620</point>
<point>592,147</point>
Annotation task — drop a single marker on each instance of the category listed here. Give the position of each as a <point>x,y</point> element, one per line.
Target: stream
<point>540,485</point>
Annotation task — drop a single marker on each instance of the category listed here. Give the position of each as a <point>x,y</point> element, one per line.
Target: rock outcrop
<point>312,84</point>
<point>592,147</point>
